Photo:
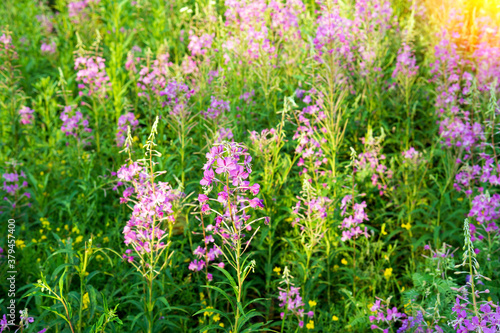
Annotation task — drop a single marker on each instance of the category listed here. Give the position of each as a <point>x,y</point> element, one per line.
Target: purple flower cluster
<point>351,224</point>
<point>417,324</point>
<point>335,38</point>
<point>487,319</point>
<point>406,63</point>
<point>132,60</point>
<point>92,75</point>
<point>371,163</point>
<point>255,36</point>
<point>48,48</point>
<point>125,121</point>
<point>6,47</point>
<point>264,139</point>
<point>75,8</point>
<point>412,157</point>
<point>229,166</point>
<point>26,115</point>
<point>310,135</point>
<point>456,75</point>
<point>200,45</point>
<point>384,315</point>
<point>152,205</point>
<point>485,210</point>
<point>206,255</point>
<point>292,302</point>
<point>75,124</point>
<point>15,185</point>
<point>216,109</point>
<point>46,22</point>
<point>153,77</point>
<point>476,176</point>
<point>313,209</point>
<point>351,41</point>
<point>24,322</point>
<point>177,96</point>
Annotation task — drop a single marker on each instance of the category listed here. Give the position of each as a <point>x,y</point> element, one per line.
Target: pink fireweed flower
<point>351,224</point>
<point>291,301</point>
<point>26,115</point>
<point>152,79</point>
<point>15,186</point>
<point>406,63</point>
<point>92,75</point>
<point>48,48</point>
<point>384,315</point>
<point>217,108</point>
<point>153,204</point>
<point>232,204</point>
<point>200,45</point>
<point>177,96</point>
<point>125,121</point>
<point>74,124</point>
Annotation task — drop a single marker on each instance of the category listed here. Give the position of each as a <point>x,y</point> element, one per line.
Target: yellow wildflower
<point>312,303</point>
<point>335,268</point>
<point>105,239</point>
<point>20,244</point>
<point>277,270</point>
<point>208,313</point>
<point>66,227</point>
<point>221,324</point>
<point>33,240</point>
<point>406,226</point>
<point>216,318</point>
<point>383,232</point>
<point>388,273</point>
<point>343,261</point>
<point>78,239</point>
<point>41,173</point>
<point>99,257</point>
<point>86,301</point>
<point>335,318</point>
<point>44,237</point>
<point>310,325</point>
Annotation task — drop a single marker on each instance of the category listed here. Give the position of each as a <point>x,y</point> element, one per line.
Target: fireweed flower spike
<point>290,300</point>
<point>152,206</point>
<point>226,172</point>
<point>471,314</point>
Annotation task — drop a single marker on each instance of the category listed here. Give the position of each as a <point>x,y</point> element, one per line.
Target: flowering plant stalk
<point>481,317</point>
<point>11,92</point>
<point>267,146</point>
<point>144,231</point>
<point>94,81</point>
<point>228,166</point>
<point>291,301</point>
